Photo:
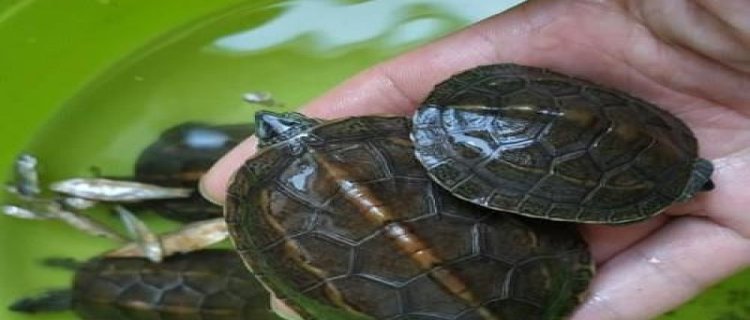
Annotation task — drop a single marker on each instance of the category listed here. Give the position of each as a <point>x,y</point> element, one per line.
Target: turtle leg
<point>65,263</point>
<point>700,179</point>
<point>52,300</point>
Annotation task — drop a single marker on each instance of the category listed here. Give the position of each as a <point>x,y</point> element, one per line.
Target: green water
<point>198,71</point>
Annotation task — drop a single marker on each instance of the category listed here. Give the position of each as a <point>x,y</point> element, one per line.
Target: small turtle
<point>209,284</point>
<point>340,221</point>
<point>545,145</point>
<point>179,158</point>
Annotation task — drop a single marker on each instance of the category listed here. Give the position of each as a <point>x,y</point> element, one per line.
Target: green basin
<point>89,83</point>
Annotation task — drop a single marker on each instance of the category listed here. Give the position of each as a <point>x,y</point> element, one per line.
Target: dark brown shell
<point>179,158</point>
<point>343,223</point>
<point>542,144</point>
<point>201,285</point>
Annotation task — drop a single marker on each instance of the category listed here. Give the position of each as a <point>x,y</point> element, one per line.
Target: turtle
<point>178,158</point>
<point>340,221</point>
<point>542,144</point>
<point>208,284</point>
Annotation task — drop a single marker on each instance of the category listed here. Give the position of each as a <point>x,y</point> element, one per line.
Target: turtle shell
<point>542,144</point>
<point>341,222</point>
<point>178,158</point>
<point>201,285</point>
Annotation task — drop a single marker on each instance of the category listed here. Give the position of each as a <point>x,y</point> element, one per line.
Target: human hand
<point>689,57</point>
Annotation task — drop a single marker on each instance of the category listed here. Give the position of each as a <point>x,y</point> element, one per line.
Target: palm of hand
<point>660,263</point>
<point>627,45</point>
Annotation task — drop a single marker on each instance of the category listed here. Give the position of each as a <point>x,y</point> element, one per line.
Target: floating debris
<point>108,190</point>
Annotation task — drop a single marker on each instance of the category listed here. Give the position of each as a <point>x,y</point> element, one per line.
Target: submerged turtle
<point>545,145</point>
<point>207,285</point>
<point>340,221</point>
<point>179,158</point>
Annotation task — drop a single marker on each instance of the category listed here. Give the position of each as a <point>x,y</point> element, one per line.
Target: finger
<point>213,184</point>
<point>606,241</point>
<point>716,29</point>
<point>664,270</point>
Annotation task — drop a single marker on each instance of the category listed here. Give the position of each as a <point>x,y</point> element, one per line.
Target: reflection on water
<point>330,24</point>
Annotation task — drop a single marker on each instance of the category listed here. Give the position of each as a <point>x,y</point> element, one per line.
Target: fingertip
<point>213,185</point>
<point>209,190</point>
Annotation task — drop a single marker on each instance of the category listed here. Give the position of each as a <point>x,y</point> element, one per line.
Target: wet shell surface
<point>341,222</point>
<point>545,145</point>
<point>201,285</point>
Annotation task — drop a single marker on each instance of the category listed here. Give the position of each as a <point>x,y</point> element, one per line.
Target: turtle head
<point>271,127</point>
<point>700,179</point>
